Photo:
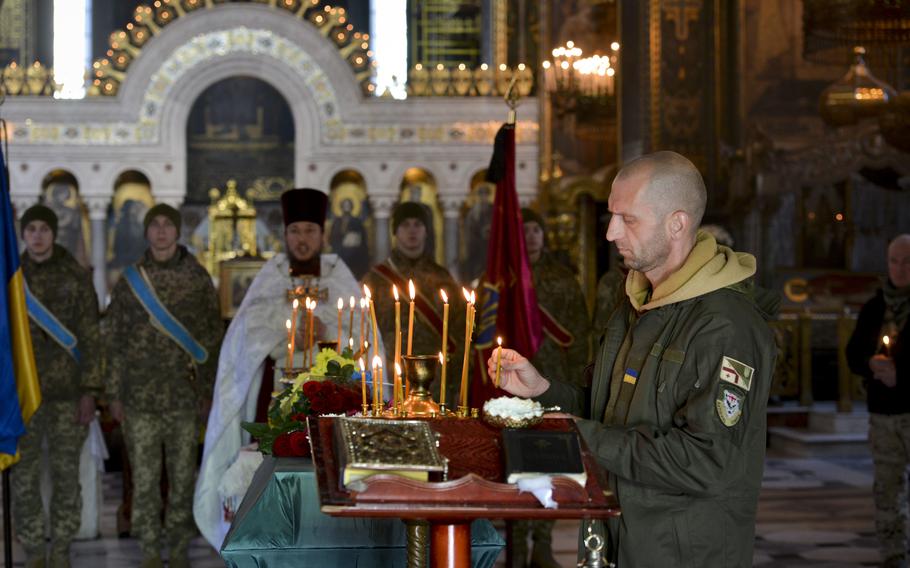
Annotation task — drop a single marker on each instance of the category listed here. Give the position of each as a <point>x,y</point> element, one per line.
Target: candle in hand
<point>498,362</point>
<point>445,345</point>
<point>340,310</point>
<point>413,293</point>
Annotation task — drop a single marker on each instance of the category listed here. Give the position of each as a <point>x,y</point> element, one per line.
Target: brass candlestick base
<point>463,411</point>
<point>419,371</point>
<point>366,409</point>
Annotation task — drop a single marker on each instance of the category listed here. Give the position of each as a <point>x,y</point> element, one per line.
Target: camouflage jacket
<point>65,288</point>
<point>428,278</point>
<point>148,371</point>
<point>611,290</point>
<point>559,293</point>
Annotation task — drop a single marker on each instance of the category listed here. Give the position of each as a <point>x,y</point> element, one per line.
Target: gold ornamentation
<point>232,227</point>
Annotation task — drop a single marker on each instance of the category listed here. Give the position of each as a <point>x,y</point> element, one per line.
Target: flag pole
<point>7,522</point>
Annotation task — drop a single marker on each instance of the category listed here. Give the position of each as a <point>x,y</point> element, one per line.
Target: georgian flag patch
<point>729,406</point>
<point>736,373</point>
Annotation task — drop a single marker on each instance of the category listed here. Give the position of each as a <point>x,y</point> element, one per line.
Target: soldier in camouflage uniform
<point>158,391</point>
<point>563,353</point>
<point>886,370</point>
<point>410,259</point>
<point>69,382</point>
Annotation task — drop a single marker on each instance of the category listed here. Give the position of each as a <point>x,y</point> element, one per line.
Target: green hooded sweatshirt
<point>677,412</point>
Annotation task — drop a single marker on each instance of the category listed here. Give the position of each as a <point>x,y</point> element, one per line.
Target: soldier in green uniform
<point>63,319</point>
<point>564,352</point>
<point>681,379</point>
<point>165,320</point>
<point>410,259</point>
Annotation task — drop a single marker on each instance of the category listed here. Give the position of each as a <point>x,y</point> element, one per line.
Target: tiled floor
<point>812,513</point>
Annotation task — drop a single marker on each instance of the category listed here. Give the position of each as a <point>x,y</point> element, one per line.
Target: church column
<point>97,214</point>
<point>451,210</point>
<point>382,209</point>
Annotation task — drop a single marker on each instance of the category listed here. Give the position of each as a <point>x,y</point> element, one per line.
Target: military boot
<point>542,554</point>
<point>519,542</point>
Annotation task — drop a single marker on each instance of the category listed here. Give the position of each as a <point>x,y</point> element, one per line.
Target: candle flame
<point>411,290</point>
<point>287,324</point>
<point>363,367</point>
<point>445,299</point>
<point>395,292</point>
<point>366,292</point>
<point>377,362</point>
<point>467,295</point>
<point>473,298</point>
<point>352,302</point>
<point>362,303</point>
<point>397,369</point>
<point>296,303</point>
<point>441,359</point>
<point>340,304</point>
<point>351,343</point>
<point>886,340</point>
<point>499,341</point>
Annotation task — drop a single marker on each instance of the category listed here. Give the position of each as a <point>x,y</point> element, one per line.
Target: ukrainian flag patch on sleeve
<point>630,377</point>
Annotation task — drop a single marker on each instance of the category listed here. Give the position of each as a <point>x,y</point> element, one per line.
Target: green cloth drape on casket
<point>279,524</point>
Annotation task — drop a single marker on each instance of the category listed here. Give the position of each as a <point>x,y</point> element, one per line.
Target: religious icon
<point>125,229</point>
<point>236,277</point>
<point>348,236</point>
<point>73,229</point>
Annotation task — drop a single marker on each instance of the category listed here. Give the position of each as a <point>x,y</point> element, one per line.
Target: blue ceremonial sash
<point>46,320</point>
<point>160,317</point>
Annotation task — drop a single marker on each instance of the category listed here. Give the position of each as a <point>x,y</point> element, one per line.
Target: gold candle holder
<point>419,371</point>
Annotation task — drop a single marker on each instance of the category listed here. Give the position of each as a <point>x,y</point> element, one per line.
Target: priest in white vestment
<point>257,339</point>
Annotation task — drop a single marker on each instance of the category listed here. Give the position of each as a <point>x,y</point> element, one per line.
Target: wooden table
<point>476,488</point>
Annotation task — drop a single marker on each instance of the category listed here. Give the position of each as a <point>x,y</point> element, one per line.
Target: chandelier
<point>584,86</point>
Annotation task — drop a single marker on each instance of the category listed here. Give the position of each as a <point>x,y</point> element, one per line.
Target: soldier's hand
<point>117,411</point>
<point>85,412</point>
<point>518,376</point>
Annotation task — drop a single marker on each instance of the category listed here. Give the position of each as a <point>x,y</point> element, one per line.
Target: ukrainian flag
<point>19,391</point>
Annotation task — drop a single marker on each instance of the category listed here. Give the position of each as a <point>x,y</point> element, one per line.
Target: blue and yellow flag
<point>20,394</point>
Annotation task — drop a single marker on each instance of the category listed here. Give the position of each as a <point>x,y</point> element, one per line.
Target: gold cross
<point>309,289</point>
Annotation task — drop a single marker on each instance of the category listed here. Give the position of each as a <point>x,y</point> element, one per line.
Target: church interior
<point>796,113</point>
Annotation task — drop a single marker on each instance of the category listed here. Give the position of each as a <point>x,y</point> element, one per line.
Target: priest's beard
<point>310,267</point>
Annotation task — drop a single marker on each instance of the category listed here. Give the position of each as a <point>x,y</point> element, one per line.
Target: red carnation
<point>300,444</point>
<point>282,446</point>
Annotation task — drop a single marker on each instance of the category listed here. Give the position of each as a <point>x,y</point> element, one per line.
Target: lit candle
<point>340,309</point>
<point>294,307</point>
<point>397,324</point>
<point>442,379</point>
<point>289,365</point>
<point>369,298</point>
<point>377,382</point>
<point>498,362</point>
<point>311,326</point>
<point>412,292</point>
<point>351,345</point>
<point>468,328</point>
<point>445,345</point>
<point>363,304</point>
<point>886,341</point>
<point>399,395</point>
<point>363,384</point>
<point>351,322</point>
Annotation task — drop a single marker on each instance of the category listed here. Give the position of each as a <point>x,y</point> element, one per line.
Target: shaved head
<point>673,184</point>
<point>899,261</point>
